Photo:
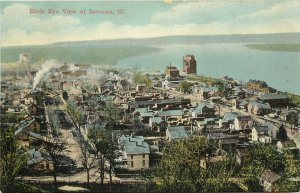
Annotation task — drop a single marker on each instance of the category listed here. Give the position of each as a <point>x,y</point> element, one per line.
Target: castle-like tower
<point>189,64</point>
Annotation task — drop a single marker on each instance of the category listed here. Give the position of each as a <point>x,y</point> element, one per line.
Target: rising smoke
<point>45,67</point>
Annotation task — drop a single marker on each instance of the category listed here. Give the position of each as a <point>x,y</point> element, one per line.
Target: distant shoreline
<point>290,47</point>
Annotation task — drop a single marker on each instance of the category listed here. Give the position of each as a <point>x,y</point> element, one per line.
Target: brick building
<point>260,86</point>
<point>172,71</point>
<point>189,64</point>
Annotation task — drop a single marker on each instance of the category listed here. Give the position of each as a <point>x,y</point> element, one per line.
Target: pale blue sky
<point>144,19</point>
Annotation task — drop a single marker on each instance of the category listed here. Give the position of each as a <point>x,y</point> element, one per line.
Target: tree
<point>54,149</point>
<point>87,159</point>
<point>12,160</point>
<point>101,140</point>
<point>76,115</point>
<point>65,95</point>
<point>292,119</point>
<point>184,86</point>
<point>224,89</point>
<point>180,169</point>
<point>282,134</point>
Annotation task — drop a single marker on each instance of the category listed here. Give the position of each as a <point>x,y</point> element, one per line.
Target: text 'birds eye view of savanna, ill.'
<point>150,96</point>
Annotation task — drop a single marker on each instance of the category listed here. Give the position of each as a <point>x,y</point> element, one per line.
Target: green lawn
<point>295,99</point>
<point>201,78</point>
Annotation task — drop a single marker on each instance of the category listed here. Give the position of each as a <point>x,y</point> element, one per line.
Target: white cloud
<point>285,9</point>
<point>20,28</point>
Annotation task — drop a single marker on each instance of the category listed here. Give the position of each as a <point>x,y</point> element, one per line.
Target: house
<point>274,99</point>
<point>268,179</point>
<point>158,103</point>
<point>242,123</point>
<point>203,110</point>
<point>240,104</point>
<point>67,85</point>
<point>171,115</point>
<point>258,108</point>
<point>38,162</point>
<point>158,124</point>
<point>227,144</point>
<point>135,151</point>
<point>228,120</point>
<point>189,64</point>
<point>265,133</point>
<point>109,85</point>
<point>32,109</point>
<point>209,162</point>
<point>174,133</point>
<point>28,99</point>
<point>144,114</point>
<point>204,93</point>
<point>141,87</point>
<point>289,145</point>
<point>170,84</point>
<point>30,124</point>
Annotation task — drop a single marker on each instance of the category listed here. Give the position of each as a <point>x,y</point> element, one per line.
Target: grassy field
<point>201,78</point>
<point>295,99</point>
<point>275,47</point>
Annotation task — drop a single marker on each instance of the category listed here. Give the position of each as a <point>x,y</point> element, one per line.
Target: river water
<point>280,70</point>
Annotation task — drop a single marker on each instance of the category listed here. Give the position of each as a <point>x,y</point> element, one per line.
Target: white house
<point>242,123</point>
<point>264,133</point>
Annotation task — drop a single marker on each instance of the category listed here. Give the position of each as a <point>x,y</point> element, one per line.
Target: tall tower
<point>189,64</point>
<point>24,59</point>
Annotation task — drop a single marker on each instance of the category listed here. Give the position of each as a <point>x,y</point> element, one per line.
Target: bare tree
<point>54,149</point>
<point>87,159</point>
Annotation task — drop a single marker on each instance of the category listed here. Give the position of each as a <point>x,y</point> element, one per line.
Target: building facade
<point>189,64</point>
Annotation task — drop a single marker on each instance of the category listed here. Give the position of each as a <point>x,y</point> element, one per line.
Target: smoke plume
<point>45,67</point>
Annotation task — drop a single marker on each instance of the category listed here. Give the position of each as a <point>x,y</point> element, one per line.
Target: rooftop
<point>270,96</point>
<point>134,144</point>
<point>178,132</point>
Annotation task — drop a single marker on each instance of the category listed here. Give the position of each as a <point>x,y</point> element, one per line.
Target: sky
<point>143,19</point>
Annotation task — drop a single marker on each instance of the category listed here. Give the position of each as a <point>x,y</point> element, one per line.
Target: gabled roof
<point>262,128</point>
<point>134,144</point>
<point>24,124</point>
<point>201,106</point>
<point>260,105</point>
<point>171,113</point>
<point>144,112</point>
<point>108,84</point>
<point>178,132</point>
<point>156,120</point>
<point>36,157</point>
<point>230,116</point>
<point>140,110</point>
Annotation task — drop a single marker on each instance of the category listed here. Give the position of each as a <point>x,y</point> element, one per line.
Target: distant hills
<point>111,51</point>
<point>195,39</point>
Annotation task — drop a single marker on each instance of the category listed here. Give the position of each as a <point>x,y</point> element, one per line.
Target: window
<point>144,162</point>
<point>131,157</point>
<point>132,164</point>
<point>143,155</point>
